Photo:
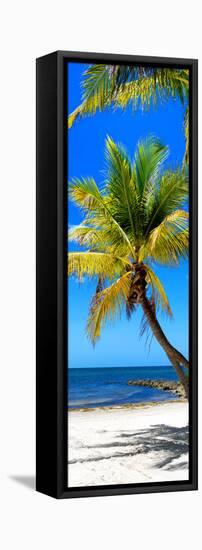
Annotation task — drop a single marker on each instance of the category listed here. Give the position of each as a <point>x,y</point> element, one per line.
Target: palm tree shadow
<point>27,481</point>
<point>168,444</point>
<point>169,441</point>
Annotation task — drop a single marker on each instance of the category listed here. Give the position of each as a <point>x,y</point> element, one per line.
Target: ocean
<point>98,387</point>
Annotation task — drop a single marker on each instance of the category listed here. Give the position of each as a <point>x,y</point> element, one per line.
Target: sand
<point>128,445</point>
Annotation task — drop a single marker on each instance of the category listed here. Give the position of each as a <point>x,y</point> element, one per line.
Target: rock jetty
<point>165,385</point>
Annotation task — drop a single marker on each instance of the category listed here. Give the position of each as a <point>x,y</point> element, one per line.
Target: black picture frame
<point>51,318</point>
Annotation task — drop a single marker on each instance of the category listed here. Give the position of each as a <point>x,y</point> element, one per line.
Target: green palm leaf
<point>158,85</point>
<point>96,90</point>
<point>169,241</point>
<point>73,116</point>
<point>170,194</point>
<point>186,132</point>
<point>104,85</point>
<point>95,264</point>
<point>86,194</point>
<point>120,188</point>
<point>149,158</point>
<point>106,305</point>
<point>158,291</point>
<point>87,236</point>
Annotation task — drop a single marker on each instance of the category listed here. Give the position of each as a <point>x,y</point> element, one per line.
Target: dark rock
<point>164,385</point>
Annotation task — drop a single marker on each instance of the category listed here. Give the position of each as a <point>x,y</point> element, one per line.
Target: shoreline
<point>128,444</point>
<point>143,404</point>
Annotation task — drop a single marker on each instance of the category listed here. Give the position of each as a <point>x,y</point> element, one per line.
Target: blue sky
<point>120,343</point>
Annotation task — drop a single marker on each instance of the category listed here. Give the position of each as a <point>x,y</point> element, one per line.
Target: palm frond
<point>95,263</point>
<point>102,239</point>
<point>169,241</point>
<point>88,236</point>
<point>170,195</point>
<point>149,158</point>
<point>145,328</point>
<point>159,297</point>
<point>169,249</point>
<point>186,133</point>
<point>121,188</point>
<point>156,85</point>
<point>96,87</point>
<point>119,85</point>
<point>106,305</point>
<point>73,116</point>
<point>86,194</point>
<point>96,92</point>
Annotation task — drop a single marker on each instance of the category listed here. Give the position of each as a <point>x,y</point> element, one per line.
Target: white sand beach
<point>128,444</point>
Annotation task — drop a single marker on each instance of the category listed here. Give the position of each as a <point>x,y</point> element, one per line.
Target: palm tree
<point>134,222</point>
<point>119,85</point>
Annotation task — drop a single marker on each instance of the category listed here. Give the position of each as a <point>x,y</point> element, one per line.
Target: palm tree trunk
<point>174,356</point>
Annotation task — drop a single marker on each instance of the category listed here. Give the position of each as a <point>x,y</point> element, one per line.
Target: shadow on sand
<point>167,443</point>
<point>171,441</point>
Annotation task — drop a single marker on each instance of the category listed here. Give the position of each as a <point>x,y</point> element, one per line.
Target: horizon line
<point>124,367</point>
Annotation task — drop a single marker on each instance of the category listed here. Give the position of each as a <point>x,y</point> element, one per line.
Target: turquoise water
<point>100,387</point>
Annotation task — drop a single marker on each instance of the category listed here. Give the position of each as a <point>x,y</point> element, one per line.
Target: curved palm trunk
<point>174,356</point>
